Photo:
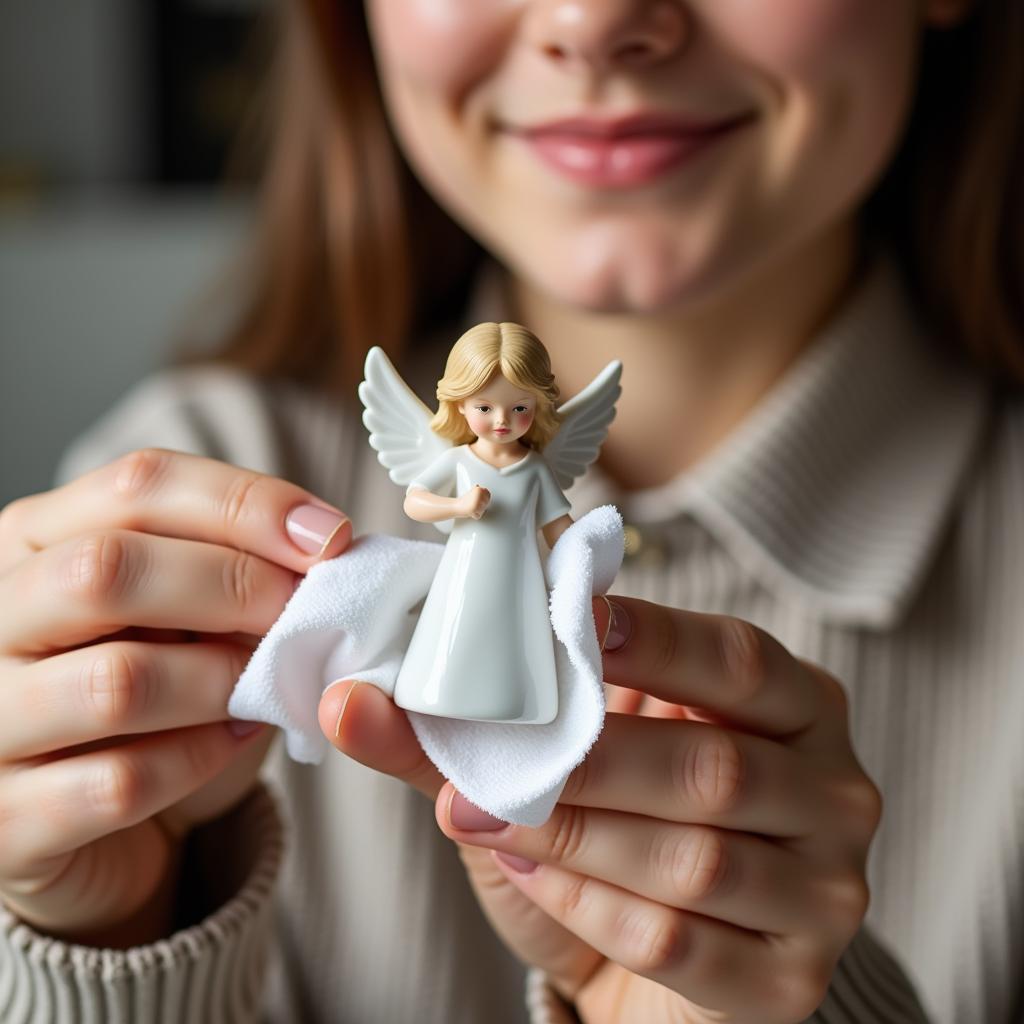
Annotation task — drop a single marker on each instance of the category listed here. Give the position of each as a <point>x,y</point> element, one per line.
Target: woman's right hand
<point>130,601</point>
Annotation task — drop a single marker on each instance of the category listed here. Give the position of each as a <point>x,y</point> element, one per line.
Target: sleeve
<point>868,984</point>
<point>438,477</point>
<point>544,1004</point>
<point>213,411</point>
<point>211,971</point>
<point>551,502</point>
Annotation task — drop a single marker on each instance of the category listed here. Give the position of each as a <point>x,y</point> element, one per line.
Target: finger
<point>699,773</point>
<point>364,723</point>
<point>57,806</point>
<point>175,494</point>
<point>716,662</point>
<point>655,708</point>
<point>732,876</point>
<point>115,689</point>
<point>710,962</point>
<point>150,634</point>
<point>100,582</point>
<point>621,700</point>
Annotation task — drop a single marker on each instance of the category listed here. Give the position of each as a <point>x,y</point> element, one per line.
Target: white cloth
<point>350,619</point>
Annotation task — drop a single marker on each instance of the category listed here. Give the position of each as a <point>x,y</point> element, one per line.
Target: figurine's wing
<point>584,427</point>
<point>398,422</point>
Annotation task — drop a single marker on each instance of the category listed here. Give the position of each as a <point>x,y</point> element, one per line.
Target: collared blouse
<point>868,512</point>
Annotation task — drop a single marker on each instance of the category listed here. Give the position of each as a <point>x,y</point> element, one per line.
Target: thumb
<point>364,723</point>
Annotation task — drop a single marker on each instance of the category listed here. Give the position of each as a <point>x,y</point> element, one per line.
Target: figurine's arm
<point>552,507</point>
<point>426,507</point>
<point>556,528</point>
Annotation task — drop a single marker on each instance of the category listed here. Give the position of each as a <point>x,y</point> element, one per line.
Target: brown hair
<point>337,268</point>
<point>952,201</point>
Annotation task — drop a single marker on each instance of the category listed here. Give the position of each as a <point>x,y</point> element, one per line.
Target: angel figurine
<point>489,469</point>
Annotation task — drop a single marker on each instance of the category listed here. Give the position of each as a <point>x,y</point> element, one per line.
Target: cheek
<point>794,37</point>
<point>523,420</point>
<point>477,421</point>
<point>440,45</point>
<point>837,78</point>
<point>833,69</point>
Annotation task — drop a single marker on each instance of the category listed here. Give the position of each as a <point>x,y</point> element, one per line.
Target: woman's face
<point>771,119</point>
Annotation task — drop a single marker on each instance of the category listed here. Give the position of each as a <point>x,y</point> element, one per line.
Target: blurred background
<point>121,200</point>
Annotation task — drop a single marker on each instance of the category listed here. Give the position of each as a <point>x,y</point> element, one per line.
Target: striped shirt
<point>868,512</point>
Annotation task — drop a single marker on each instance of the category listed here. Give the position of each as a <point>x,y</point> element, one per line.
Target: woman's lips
<point>621,159</point>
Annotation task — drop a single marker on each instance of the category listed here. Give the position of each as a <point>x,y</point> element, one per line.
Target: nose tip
<point>610,33</point>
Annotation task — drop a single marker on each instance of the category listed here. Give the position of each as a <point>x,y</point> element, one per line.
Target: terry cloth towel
<point>351,618</point>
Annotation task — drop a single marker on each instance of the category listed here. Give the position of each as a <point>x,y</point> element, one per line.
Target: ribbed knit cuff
<point>868,984</point>
<point>212,971</point>
<point>544,1004</point>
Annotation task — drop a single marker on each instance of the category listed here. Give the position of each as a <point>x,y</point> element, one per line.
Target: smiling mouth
<point>623,154</point>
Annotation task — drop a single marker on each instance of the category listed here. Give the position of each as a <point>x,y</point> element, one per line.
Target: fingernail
<point>520,865</point>
<point>467,817</point>
<point>619,628</point>
<point>311,527</point>
<point>344,705</point>
<point>240,729</point>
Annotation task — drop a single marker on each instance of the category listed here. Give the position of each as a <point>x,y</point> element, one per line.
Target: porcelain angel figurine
<point>489,468</point>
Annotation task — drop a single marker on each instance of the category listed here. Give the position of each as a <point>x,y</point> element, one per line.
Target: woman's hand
<point>706,861</point>
<point>130,601</point>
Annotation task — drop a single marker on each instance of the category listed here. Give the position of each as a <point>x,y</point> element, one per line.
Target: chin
<point>605,272</point>
<point>621,290</point>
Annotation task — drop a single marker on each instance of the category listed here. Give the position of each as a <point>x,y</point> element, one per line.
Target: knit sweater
<point>868,512</point>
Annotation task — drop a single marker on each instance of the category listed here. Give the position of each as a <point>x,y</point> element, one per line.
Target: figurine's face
<point>810,97</point>
<point>500,411</point>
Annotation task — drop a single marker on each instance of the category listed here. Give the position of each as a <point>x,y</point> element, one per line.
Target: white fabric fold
<point>352,617</point>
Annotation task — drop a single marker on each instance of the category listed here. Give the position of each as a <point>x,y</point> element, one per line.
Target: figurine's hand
<point>130,600</point>
<point>474,502</point>
<point>703,865</point>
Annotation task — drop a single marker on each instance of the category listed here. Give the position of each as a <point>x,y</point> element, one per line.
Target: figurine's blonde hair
<point>521,359</point>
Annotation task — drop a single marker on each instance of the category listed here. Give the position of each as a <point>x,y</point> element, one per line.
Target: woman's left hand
<point>706,862</point>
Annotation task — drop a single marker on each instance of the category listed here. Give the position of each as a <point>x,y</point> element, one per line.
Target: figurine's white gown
<point>483,648</point>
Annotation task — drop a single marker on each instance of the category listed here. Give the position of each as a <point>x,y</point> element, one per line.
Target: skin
<point>499,414</point>
<point>706,862</point>
<point>713,278</point>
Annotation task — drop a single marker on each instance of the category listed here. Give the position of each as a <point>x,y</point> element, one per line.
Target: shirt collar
<point>835,488</point>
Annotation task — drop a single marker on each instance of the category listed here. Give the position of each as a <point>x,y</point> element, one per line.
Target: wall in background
<point>116,118</point>
<point>91,298</point>
<point>73,92</point>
